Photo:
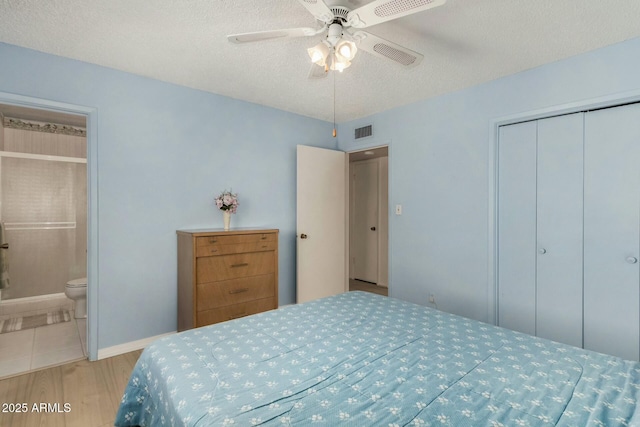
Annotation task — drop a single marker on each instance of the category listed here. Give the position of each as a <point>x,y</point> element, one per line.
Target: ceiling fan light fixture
<point>347,49</point>
<point>318,54</point>
<point>339,64</point>
<point>343,37</point>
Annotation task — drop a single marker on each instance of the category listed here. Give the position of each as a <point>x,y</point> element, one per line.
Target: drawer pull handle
<point>213,240</point>
<point>242,264</point>
<point>238,291</point>
<point>214,250</point>
<point>235,316</point>
<point>264,246</point>
<point>264,237</point>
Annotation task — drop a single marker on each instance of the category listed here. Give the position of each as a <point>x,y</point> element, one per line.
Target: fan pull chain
<point>335,132</point>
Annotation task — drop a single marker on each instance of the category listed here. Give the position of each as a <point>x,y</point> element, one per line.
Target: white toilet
<point>77,290</point>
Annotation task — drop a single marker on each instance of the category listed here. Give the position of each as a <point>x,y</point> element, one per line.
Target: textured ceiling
<point>465,42</point>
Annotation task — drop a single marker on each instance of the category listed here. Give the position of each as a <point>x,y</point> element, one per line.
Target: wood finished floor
<point>92,389</point>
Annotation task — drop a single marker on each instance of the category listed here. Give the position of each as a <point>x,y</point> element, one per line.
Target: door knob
<point>632,260</point>
<point>303,236</point>
<point>373,229</point>
<point>542,251</point>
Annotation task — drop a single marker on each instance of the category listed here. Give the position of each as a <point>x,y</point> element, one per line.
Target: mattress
<point>364,359</point>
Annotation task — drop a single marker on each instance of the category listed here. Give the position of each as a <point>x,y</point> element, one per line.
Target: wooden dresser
<point>223,275</point>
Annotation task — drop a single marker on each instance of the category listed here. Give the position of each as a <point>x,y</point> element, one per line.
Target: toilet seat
<point>77,283</point>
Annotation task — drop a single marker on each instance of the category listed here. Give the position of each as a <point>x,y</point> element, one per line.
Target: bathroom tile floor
<point>50,345</point>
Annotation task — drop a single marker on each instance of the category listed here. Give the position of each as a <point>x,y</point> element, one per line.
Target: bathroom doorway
<point>43,216</point>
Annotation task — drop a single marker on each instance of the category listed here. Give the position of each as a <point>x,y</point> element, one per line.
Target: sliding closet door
<point>517,227</point>
<point>612,230</point>
<point>559,229</point>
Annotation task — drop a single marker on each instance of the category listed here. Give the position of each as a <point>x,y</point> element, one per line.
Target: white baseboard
<point>129,346</point>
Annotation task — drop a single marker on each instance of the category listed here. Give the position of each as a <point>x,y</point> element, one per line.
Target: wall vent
<point>363,132</point>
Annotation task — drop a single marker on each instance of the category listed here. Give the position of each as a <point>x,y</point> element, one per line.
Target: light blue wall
<point>439,171</point>
<point>164,152</point>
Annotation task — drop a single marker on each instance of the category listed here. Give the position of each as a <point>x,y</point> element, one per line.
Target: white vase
<point>226,215</point>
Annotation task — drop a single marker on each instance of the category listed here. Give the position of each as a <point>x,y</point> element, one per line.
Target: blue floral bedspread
<point>360,359</point>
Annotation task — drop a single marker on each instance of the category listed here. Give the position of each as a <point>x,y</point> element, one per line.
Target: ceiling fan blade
<point>272,34</point>
<point>385,49</point>
<point>318,9</point>
<point>317,72</point>
<point>379,11</point>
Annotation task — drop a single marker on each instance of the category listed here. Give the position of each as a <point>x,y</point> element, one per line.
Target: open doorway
<point>369,220</point>
<point>43,219</point>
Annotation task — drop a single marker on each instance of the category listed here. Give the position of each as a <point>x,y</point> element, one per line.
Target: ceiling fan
<point>344,35</point>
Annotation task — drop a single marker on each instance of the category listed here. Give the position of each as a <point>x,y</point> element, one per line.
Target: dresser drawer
<point>234,291</point>
<point>235,311</point>
<point>225,267</point>
<point>237,248</point>
<point>236,238</point>
<point>224,274</point>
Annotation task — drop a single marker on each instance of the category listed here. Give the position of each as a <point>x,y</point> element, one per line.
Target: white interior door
<point>517,227</point>
<point>364,223</point>
<point>559,229</point>
<point>321,223</point>
<point>611,230</point>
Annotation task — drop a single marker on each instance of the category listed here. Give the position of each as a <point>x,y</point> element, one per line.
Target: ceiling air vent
<point>363,132</point>
<point>394,54</point>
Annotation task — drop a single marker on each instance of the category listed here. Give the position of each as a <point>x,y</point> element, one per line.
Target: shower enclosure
<point>43,205</point>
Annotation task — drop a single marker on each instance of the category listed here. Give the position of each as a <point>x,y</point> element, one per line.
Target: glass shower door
<point>43,207</point>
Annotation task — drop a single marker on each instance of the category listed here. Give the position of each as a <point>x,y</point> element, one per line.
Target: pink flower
<point>227,201</point>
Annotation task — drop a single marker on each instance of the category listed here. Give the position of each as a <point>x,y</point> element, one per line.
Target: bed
<point>364,359</point>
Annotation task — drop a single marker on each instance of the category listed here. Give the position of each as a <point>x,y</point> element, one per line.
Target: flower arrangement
<point>227,201</point>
